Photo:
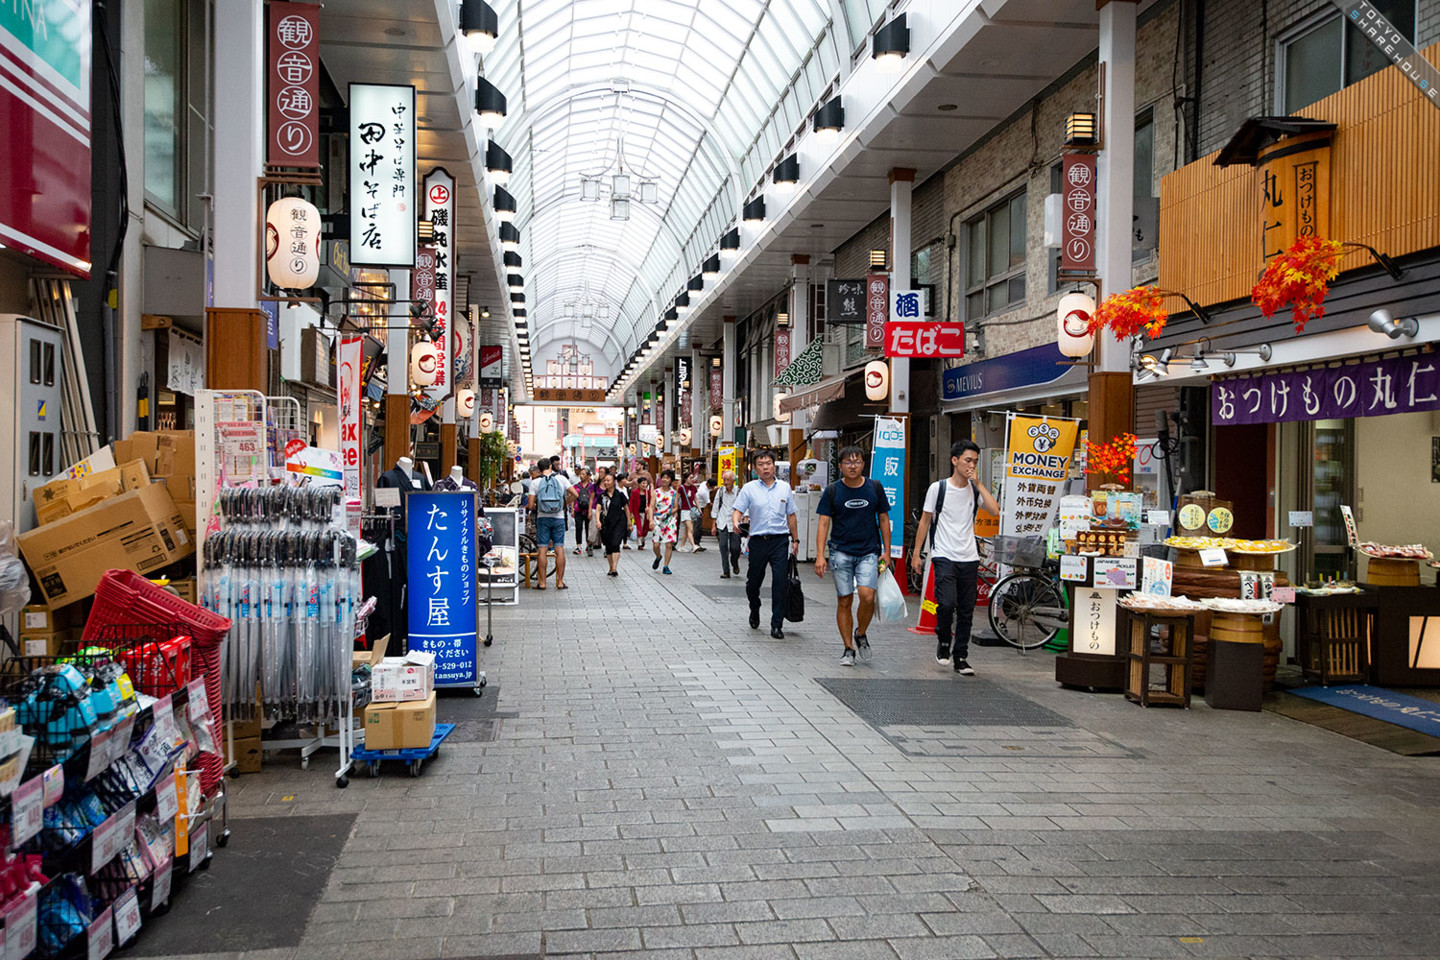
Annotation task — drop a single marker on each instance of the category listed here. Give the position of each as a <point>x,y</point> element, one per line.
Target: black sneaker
<point>942,654</point>
<point>847,659</point>
<point>754,619</point>
<point>963,668</point>
<point>656,564</point>
<point>862,643</point>
<point>777,633</point>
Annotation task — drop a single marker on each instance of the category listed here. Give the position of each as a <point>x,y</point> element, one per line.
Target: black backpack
<point>940,505</point>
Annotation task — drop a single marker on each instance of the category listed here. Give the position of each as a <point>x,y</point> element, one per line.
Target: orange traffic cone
<point>927,605</point>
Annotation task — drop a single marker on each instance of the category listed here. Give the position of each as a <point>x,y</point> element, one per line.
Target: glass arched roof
<point>703,92</point>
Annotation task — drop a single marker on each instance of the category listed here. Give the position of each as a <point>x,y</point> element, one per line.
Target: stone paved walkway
<point>668,784</point>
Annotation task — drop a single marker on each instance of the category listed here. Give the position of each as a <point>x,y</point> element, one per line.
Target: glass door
<point>1326,481</point>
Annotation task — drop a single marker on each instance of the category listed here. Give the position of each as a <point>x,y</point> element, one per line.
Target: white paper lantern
<point>686,436</point>
<point>487,422</point>
<point>423,362</point>
<point>877,380</point>
<point>292,243</point>
<point>781,416</point>
<point>465,404</point>
<point>1071,319</point>
<point>717,423</point>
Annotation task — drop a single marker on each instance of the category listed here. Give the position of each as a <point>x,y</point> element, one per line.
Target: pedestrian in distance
<point>722,505</point>
<point>854,522</point>
<point>584,490</point>
<point>698,502</point>
<point>550,496</point>
<point>612,515</point>
<point>664,518</point>
<point>640,510</point>
<point>948,525</point>
<point>770,504</point>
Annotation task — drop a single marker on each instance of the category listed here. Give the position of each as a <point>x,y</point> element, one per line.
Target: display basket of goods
<point>1185,550</point>
<point>1020,551</point>
<point>1149,602</point>
<point>1256,554</point>
<point>1391,565</point>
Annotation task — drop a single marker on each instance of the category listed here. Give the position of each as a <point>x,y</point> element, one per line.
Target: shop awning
<point>823,392</point>
<point>805,369</point>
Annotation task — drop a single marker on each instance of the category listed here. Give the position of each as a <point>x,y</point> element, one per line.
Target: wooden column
<point>1112,411</point>
<point>472,447</point>
<point>397,427</point>
<point>237,355</point>
<point>448,444</point>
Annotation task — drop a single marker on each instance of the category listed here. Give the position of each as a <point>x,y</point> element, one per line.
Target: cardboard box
<point>44,644</point>
<point>175,453</point>
<point>36,619</point>
<point>187,514</point>
<point>403,679</point>
<point>368,658</point>
<point>248,756</point>
<point>140,530</point>
<point>185,589</point>
<point>61,498</point>
<point>181,486</point>
<point>400,726</point>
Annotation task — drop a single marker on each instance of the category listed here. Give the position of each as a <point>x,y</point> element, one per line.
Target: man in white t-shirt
<point>955,499</point>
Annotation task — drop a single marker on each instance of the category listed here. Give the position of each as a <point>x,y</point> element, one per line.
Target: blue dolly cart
<point>413,758</point>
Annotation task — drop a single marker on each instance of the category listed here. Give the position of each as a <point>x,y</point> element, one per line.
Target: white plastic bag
<point>889,601</point>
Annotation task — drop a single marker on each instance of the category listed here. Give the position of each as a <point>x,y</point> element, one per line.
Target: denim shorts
<point>850,571</point>
<point>550,532</point>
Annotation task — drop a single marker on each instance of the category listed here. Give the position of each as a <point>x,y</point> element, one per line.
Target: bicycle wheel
<point>1027,610</point>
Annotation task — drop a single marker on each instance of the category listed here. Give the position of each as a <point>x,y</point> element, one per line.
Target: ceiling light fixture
<point>1081,130</point>
<point>682,303</point>
<point>424,230</point>
<point>480,25</point>
<point>696,284</point>
<point>484,313</point>
<point>787,174</point>
<point>878,259</point>
<point>730,243</point>
<point>490,103</point>
<point>711,268</point>
<point>515,282</point>
<point>830,120</point>
<point>512,259</point>
<point>754,211</point>
<point>504,205</point>
<point>891,44</point>
<point>509,237</point>
<point>498,163</point>
<point>1382,321</point>
<point>626,184</point>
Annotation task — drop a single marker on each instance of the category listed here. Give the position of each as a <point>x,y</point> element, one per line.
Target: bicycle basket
<point>1020,551</point>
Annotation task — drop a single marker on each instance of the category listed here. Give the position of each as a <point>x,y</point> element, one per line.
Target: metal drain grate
<point>940,703</point>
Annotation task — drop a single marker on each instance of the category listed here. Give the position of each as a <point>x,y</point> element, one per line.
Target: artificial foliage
<point>1130,313</point>
<point>1111,460</point>
<point>1300,279</point>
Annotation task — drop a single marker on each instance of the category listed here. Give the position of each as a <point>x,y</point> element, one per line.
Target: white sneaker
<point>847,659</point>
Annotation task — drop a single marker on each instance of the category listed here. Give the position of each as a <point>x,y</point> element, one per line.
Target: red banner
<point>717,388</point>
<point>920,338</point>
<point>422,278</point>
<point>293,53</point>
<point>782,349</point>
<point>877,310</point>
<point>1077,232</point>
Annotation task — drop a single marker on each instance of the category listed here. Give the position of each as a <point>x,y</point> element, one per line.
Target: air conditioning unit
<point>832,356</point>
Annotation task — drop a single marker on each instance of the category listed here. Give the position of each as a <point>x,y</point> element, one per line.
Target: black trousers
<point>770,551</point>
<point>954,598</point>
<point>729,549</point>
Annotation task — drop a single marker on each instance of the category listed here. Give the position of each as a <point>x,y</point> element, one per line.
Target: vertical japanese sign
<point>383,205</point>
<point>422,278</point>
<point>1294,194</point>
<point>782,350</point>
<point>293,52</point>
<point>1094,622</point>
<point>717,388</point>
<point>441,571</point>
<point>1077,232</point>
<point>439,193</point>
<point>887,464</point>
<point>845,301</point>
<point>877,310</point>
<point>462,354</point>
<point>45,103</point>
<point>682,392</point>
<point>349,360</point>
<point>1037,464</point>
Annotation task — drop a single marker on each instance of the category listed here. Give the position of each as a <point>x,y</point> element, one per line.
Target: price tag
<point>1283,595</point>
<point>125,827</point>
<point>160,887</point>
<point>1074,569</point>
<point>387,496</point>
<point>1115,573</point>
<point>120,742</point>
<point>102,936</point>
<point>166,806</point>
<point>1157,518</point>
<point>127,917</point>
<point>199,845</point>
<point>1352,532</point>
<point>27,810</point>
<point>99,754</point>
<point>164,713</point>
<point>199,701</point>
<point>1302,518</point>
<point>20,928</point>
<point>54,785</point>
<point>1213,557</point>
<point>102,844</point>
<point>1159,577</point>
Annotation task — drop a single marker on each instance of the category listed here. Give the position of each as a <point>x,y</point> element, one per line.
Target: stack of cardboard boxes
<point>401,715</point>
<point>129,506</point>
<point>44,632</point>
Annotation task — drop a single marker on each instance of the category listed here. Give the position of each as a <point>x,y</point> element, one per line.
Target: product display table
<point>1333,635</point>
<point>1160,644</point>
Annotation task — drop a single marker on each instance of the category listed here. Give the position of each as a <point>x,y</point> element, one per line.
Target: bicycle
<point>1028,608</point>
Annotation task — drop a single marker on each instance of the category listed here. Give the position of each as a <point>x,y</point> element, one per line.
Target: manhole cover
<point>931,703</point>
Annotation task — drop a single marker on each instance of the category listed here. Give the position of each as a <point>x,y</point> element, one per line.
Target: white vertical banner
<point>349,360</point>
<point>439,195</point>
<point>382,175</point>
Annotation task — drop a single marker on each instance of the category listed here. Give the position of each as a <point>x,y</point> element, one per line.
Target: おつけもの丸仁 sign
<point>441,571</point>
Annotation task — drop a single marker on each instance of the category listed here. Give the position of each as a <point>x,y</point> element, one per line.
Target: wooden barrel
<point>1387,572</point>
<point>1199,583</point>
<point>1252,561</point>
<point>1236,627</point>
<point>1185,557</point>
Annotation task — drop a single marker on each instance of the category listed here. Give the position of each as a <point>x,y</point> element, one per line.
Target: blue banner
<point>887,464</point>
<point>443,619</point>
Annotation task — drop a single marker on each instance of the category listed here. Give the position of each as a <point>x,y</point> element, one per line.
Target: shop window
<point>995,258</point>
<point>1146,235</point>
<point>164,101</point>
<point>1327,55</point>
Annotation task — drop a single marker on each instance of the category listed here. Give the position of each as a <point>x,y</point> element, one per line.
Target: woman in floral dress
<point>665,518</point>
